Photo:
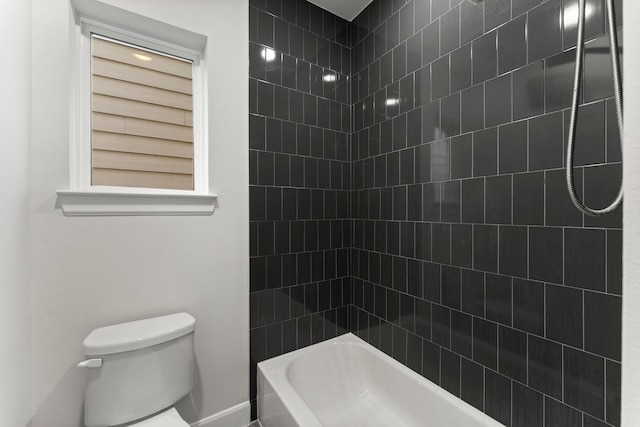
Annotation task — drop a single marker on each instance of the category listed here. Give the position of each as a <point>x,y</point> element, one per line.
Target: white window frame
<point>84,199</point>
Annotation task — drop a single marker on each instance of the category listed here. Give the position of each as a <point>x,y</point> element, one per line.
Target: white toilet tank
<point>147,365</point>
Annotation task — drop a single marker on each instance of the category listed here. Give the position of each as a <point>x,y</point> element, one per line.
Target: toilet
<point>137,371</point>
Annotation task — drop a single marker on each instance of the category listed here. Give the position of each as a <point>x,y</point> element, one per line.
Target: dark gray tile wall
<point>300,177</point>
<point>418,200</point>
<point>469,263</point>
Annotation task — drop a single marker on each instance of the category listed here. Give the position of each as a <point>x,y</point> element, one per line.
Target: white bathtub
<point>347,382</point>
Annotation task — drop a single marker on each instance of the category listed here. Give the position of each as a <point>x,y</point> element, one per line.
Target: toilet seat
<point>168,418</point>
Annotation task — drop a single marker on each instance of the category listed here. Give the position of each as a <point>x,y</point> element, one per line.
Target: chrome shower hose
<point>577,85</point>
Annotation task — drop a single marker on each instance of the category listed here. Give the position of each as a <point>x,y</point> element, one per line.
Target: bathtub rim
<point>275,369</point>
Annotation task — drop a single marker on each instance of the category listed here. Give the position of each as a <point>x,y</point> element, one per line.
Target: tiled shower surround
<point>300,178</point>
<point>467,261</point>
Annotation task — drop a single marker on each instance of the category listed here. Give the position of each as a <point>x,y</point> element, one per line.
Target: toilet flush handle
<point>90,363</point>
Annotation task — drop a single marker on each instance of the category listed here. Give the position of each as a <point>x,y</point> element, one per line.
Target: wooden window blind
<point>141,117</point>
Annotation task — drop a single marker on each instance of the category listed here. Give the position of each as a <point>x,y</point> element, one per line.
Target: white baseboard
<point>236,416</point>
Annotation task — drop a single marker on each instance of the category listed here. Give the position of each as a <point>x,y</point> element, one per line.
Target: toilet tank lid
<point>138,334</point>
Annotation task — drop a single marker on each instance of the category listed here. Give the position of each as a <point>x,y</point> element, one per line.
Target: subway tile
<point>584,258</point>
<point>431,42</point>
<point>528,407</point>
<point>450,115</point>
<point>485,248</point>
<point>546,142</point>
<point>422,13</point>
<point>414,128</point>
<point>265,29</point>
<point>441,325</point>
<point>471,20</point>
<point>438,8</point>
<point>473,108</point>
<point>265,99</point>
<point>431,200</point>
<point>485,152</point>
<point>472,383</point>
<point>296,42</point>
<point>399,61</point>
<point>473,292</point>
<point>498,200</point>
<point>496,12</point>
<point>461,156</point>
<point>407,160</point>
<point>614,262</point>
<point>484,51</point>
<point>546,254</point>
<point>601,186</point>
<point>407,312</point>
<point>440,78</point>
<point>461,333</point>
<point>594,22</point>
<point>512,45</point>
<point>414,352</point>
<point>265,168</point>
<point>513,250</point>
<point>450,371</point>
<point>603,324</point>
<point>450,209</point>
<point>431,276</point>
<point>558,414</point>
<point>451,287</point>
<point>414,278</point>
<point>423,241</point>
<point>485,343</point>
<point>498,100</point>
<point>584,381</point>
<point>499,297</point>
<point>614,149</point>
<point>473,200</point>
<point>521,6</point>
<point>422,86</point>
<point>590,134</point>
<point>613,393</point>
<point>545,30</point>
<point>281,36</point>
<point>407,13</point>
<point>400,203</point>
<point>431,122</point>
<point>559,207</point>
<point>564,315</point>
<point>512,353</point>
<point>431,361</point>
<point>497,399</point>
<point>545,366</point>
<point>414,53</point>
<point>528,91</point>
<point>528,306</point>
<point>414,203</point>
<point>440,160</point>
<point>513,147</point>
<point>461,68</point>
<point>528,198</point>
<point>558,80</point>
<point>450,30</point>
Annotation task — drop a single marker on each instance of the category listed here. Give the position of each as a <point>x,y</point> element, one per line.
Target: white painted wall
<point>90,272</point>
<point>15,353</point>
<point>631,216</point>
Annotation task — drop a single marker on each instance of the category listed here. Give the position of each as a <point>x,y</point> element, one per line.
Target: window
<point>139,127</point>
<point>142,117</point>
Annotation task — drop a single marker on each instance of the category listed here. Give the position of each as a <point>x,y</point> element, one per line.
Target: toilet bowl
<point>138,369</point>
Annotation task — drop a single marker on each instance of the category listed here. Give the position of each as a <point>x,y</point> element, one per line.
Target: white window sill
<point>81,203</point>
